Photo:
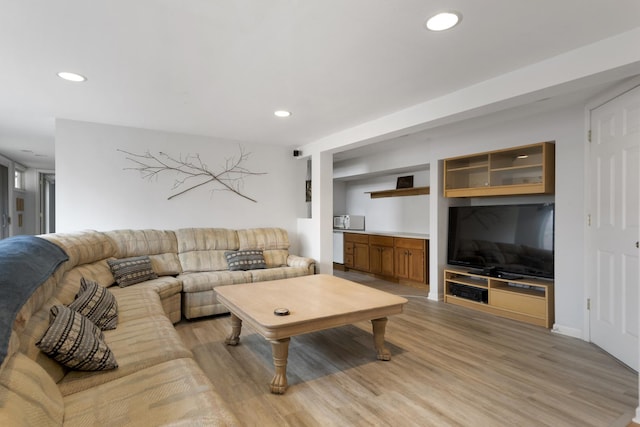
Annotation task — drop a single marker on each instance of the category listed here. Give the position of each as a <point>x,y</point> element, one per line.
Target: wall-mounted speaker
<point>297,153</point>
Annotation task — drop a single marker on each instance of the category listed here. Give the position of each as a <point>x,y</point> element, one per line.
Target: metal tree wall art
<point>191,172</point>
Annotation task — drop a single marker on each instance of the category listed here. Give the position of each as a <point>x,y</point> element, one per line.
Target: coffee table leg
<point>280,350</point>
<point>236,327</point>
<point>379,326</point>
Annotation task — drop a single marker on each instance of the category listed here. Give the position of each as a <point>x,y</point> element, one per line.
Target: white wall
<point>503,130</point>
<point>94,191</point>
<point>391,214</point>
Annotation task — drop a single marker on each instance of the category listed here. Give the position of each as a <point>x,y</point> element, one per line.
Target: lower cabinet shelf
<point>525,300</point>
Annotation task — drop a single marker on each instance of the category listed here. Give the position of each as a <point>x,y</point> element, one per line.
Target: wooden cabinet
<point>411,259</point>
<point>381,255</point>
<point>526,300</point>
<point>356,251</point>
<point>528,169</point>
<point>396,258</point>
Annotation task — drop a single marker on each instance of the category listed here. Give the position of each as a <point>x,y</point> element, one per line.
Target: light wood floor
<point>450,367</point>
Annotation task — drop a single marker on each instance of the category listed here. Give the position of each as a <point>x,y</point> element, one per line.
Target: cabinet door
<point>361,256</point>
<point>410,257</point>
<point>381,260</point>
<point>401,264</point>
<point>416,269</point>
<point>375,259</point>
<point>387,261</point>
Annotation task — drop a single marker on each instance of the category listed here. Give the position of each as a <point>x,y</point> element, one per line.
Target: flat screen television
<point>503,240</point>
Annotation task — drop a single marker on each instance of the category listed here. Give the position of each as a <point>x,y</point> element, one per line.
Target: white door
<point>614,234</point>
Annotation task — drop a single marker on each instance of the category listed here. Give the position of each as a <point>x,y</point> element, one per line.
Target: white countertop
<point>386,233</point>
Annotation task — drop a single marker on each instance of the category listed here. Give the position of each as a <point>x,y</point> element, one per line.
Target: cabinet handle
<point>637,244</point>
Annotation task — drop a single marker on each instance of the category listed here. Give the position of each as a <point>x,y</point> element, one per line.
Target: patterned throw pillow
<point>97,304</point>
<point>75,342</point>
<point>129,271</point>
<point>252,259</point>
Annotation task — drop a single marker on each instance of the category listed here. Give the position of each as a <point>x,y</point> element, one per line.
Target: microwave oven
<point>348,222</point>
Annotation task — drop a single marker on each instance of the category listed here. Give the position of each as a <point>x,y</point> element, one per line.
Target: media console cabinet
<point>526,300</point>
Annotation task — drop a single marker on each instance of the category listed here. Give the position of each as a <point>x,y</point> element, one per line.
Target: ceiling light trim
<point>443,21</point>
<point>72,77</point>
<point>282,113</point>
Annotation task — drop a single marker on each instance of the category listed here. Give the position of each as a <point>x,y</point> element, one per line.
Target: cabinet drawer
<point>357,238</point>
<point>527,304</point>
<point>348,260</point>
<point>348,249</point>
<point>402,242</point>
<point>381,240</point>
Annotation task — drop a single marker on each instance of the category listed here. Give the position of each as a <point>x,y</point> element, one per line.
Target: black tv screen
<point>511,239</point>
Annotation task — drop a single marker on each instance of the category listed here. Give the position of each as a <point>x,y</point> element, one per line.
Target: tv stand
<point>492,272</point>
<point>526,300</point>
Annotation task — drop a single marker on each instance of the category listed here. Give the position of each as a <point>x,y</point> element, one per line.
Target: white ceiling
<point>220,68</point>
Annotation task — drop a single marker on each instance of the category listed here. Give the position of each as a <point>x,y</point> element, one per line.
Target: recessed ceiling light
<point>282,113</point>
<point>72,77</point>
<point>443,21</point>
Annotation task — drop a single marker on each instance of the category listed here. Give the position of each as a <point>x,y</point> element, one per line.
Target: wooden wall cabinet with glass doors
<point>529,169</point>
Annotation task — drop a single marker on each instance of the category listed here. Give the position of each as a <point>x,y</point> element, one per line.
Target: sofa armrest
<point>299,261</point>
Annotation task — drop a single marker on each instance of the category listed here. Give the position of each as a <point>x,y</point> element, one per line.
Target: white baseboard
<point>566,330</point>
<point>636,419</point>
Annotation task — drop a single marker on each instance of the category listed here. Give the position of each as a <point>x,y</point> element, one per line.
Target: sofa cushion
<point>251,259</point>
<point>97,304</point>
<point>83,247</point>
<point>137,344</point>
<point>202,249</point>
<point>129,271</point>
<point>175,392</point>
<point>165,264</point>
<point>74,341</point>
<point>274,242</point>
<point>137,302</point>
<point>263,238</point>
<point>160,245</point>
<point>207,280</point>
<point>32,333</point>
<point>28,395</point>
<point>69,283</point>
<point>278,273</point>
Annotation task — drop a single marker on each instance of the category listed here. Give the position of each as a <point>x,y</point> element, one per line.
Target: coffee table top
<point>315,302</point>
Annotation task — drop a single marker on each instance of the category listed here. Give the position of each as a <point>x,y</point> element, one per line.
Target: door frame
<point>40,173</point>
<point>594,103</point>
<point>603,98</point>
<point>8,163</point>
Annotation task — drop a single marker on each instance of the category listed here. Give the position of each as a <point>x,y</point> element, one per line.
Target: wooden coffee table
<point>315,303</point>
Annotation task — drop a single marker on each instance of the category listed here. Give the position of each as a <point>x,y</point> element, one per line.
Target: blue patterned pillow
<point>252,259</point>
<point>129,271</point>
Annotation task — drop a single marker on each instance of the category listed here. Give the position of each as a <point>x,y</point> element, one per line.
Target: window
<point>19,180</point>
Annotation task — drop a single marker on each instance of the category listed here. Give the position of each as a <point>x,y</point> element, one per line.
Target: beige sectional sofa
<point>157,381</point>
